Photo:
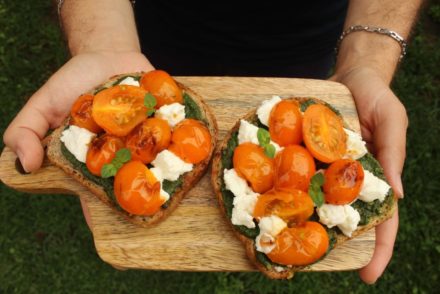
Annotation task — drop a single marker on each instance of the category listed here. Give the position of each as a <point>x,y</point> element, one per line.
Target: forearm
<point>99,25</point>
<point>378,52</point>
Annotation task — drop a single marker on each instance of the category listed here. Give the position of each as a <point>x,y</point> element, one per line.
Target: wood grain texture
<point>196,237</point>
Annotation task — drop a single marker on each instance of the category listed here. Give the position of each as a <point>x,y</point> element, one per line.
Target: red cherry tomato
<point>293,206</point>
<point>162,86</point>
<point>323,133</point>
<point>149,138</point>
<point>119,109</point>
<point>191,141</point>
<point>254,166</point>
<point>102,150</point>
<point>343,181</point>
<point>137,190</point>
<point>285,123</point>
<point>300,245</point>
<point>294,167</point>
<point>81,114</point>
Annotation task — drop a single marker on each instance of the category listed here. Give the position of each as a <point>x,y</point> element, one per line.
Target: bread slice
<point>386,210</point>
<point>189,179</point>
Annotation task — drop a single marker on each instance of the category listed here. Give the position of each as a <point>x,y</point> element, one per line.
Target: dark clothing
<point>272,38</point>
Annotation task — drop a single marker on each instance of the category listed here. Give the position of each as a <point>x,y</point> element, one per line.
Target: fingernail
<point>22,160</point>
<point>399,188</point>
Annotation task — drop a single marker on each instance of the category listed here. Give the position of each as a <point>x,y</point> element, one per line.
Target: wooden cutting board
<point>196,237</point>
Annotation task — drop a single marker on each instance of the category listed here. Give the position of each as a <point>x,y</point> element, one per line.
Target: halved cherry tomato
<point>343,181</point>
<point>81,114</point>
<point>137,190</point>
<point>294,167</point>
<point>293,206</point>
<point>300,245</point>
<point>162,86</point>
<point>285,123</point>
<point>119,109</point>
<point>254,166</point>
<point>102,150</point>
<point>323,133</point>
<point>191,141</point>
<point>149,138</point>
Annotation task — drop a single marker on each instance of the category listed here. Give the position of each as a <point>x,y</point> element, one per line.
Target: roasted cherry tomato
<point>294,167</point>
<point>323,133</point>
<point>137,190</point>
<point>119,109</point>
<point>285,123</point>
<point>343,181</point>
<point>149,138</point>
<point>293,206</point>
<point>81,114</point>
<point>254,166</point>
<point>191,141</point>
<point>162,86</point>
<point>102,150</point>
<point>300,245</point>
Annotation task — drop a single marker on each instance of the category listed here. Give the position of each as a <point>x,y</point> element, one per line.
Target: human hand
<point>51,104</point>
<point>383,123</point>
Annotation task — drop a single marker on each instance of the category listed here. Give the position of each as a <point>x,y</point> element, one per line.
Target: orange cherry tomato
<point>137,190</point>
<point>285,123</point>
<point>102,150</point>
<point>119,109</point>
<point>293,206</point>
<point>149,138</point>
<point>300,245</point>
<point>323,133</point>
<point>294,167</point>
<point>162,86</point>
<point>343,181</point>
<point>81,114</point>
<point>191,141</point>
<point>254,166</point>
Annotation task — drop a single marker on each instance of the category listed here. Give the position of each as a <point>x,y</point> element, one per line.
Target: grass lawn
<point>46,247</point>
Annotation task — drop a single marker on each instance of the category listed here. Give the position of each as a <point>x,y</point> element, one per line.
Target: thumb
<point>390,140</point>
<point>25,133</point>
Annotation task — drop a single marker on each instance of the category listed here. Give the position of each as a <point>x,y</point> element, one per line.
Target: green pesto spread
<point>367,210</point>
<point>310,101</point>
<point>192,110</point>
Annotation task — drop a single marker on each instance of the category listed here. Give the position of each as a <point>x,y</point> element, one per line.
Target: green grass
<point>45,246</point>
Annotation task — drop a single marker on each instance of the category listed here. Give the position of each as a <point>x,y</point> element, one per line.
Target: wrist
<point>377,52</point>
<point>99,25</point>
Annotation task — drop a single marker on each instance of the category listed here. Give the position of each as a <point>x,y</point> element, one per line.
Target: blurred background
<point>46,247</point>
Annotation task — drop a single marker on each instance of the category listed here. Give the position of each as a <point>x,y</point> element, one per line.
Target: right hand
<point>51,104</point>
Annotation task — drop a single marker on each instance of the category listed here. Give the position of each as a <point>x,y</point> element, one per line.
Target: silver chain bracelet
<point>357,28</point>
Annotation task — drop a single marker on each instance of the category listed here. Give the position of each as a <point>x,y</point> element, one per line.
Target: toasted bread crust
<point>189,179</point>
<point>217,179</point>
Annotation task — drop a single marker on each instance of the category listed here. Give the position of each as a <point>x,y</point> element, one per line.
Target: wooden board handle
<point>47,179</point>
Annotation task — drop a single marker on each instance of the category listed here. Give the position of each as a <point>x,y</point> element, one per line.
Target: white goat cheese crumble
<point>130,81</point>
<point>270,227</point>
<point>356,147</point>
<point>170,165</point>
<point>173,113</point>
<point>157,172</point>
<point>373,188</point>
<point>265,108</point>
<point>244,199</point>
<point>77,141</point>
<point>344,216</point>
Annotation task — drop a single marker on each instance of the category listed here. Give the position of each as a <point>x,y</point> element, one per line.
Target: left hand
<point>383,122</point>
